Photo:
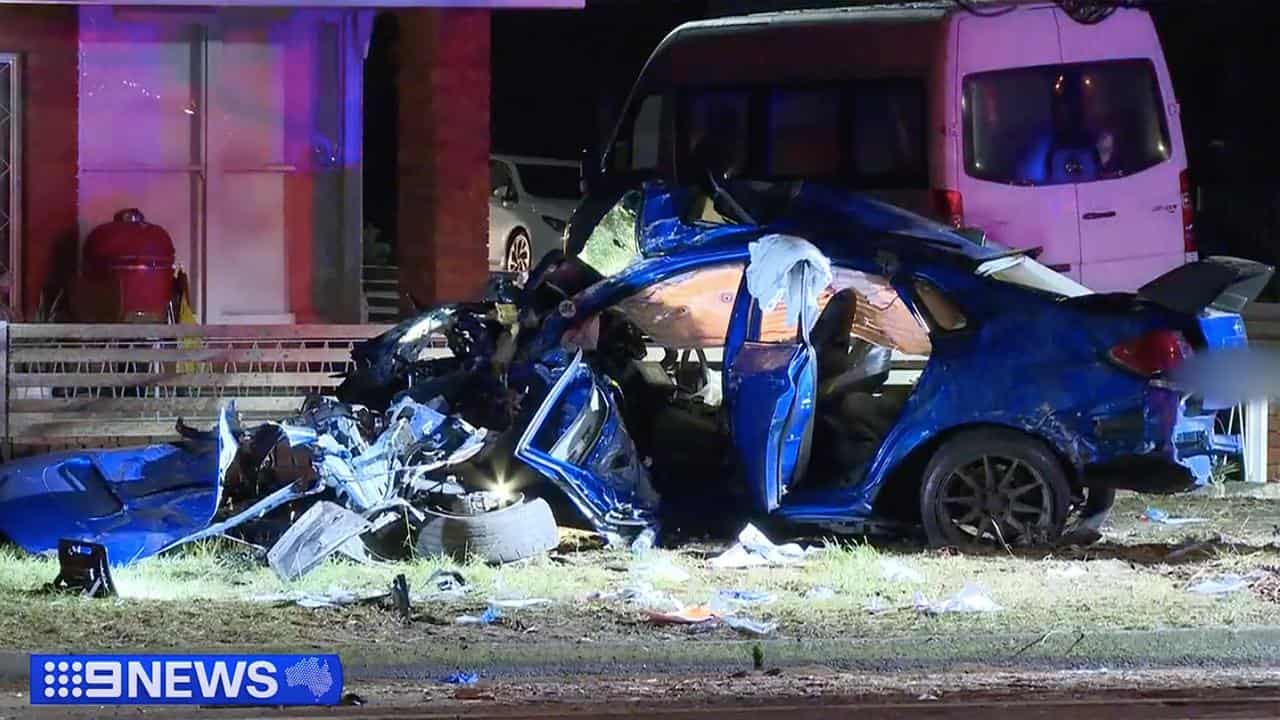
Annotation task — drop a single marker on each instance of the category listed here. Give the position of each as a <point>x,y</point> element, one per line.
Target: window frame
<point>11,294</point>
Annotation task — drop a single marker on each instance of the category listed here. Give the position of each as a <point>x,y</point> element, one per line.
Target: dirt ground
<point>790,689</point>
<point>1141,577</point>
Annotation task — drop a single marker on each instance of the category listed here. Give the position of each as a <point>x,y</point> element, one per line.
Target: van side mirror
<point>589,170</point>
<point>503,193</point>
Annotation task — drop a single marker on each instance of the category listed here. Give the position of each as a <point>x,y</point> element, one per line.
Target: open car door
<point>769,391</point>
<point>578,441</point>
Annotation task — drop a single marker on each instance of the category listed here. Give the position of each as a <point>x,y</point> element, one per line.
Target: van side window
<point>720,119</point>
<point>804,133</point>
<point>639,143</point>
<point>888,132</point>
<point>1060,124</point>
<point>646,134</point>
<point>865,134</point>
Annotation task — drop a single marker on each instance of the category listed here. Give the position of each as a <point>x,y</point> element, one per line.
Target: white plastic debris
<point>895,570</point>
<point>641,594</point>
<point>790,268</point>
<point>753,549</point>
<point>518,603</point>
<point>659,569</point>
<point>970,599</point>
<point>1226,584</point>
<point>749,627</point>
<point>821,592</point>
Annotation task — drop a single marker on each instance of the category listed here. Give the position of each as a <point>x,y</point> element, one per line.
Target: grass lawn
<point>211,595</point>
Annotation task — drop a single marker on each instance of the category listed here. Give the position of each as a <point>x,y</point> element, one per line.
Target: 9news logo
<point>185,679</point>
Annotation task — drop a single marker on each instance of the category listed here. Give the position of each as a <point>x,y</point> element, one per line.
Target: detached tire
<point>512,533</point>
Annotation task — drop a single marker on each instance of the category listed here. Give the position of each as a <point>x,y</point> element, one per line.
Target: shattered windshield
<point>612,245</point>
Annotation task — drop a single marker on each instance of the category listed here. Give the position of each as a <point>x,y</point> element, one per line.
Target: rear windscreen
<point>1058,124</point>
<point>866,135</point>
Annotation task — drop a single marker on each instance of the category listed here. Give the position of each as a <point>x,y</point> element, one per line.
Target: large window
<point>1059,124</point>
<point>10,236</point>
<point>863,134</point>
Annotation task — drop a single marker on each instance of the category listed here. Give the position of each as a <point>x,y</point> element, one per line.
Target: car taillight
<point>949,205</point>
<point>1188,213</point>
<point>1152,354</point>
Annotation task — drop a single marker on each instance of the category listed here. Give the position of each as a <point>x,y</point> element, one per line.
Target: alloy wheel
<point>995,499</point>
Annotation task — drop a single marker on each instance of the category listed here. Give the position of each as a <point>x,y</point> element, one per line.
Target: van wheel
<point>513,532</point>
<point>994,487</point>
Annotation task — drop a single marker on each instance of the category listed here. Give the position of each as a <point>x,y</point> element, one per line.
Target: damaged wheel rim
<point>995,499</point>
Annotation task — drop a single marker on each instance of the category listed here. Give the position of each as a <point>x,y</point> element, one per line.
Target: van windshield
<point>1060,124</point>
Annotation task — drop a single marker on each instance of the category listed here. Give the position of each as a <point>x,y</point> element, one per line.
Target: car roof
<point>530,160</point>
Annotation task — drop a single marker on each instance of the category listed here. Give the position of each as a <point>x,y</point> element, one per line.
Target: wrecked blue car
<point>726,347</point>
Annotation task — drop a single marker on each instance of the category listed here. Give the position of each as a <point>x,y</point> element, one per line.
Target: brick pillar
<point>443,155</point>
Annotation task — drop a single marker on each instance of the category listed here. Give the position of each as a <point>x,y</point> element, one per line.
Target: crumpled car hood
<point>134,501</point>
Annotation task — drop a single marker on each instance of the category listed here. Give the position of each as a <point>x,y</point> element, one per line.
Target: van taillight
<point>1152,354</point>
<point>949,205</point>
<point>1188,213</point>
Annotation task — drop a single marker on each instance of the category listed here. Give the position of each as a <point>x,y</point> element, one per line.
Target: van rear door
<point>1130,213</point>
<point>1005,112</point>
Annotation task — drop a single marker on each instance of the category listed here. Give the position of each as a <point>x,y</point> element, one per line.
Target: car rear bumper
<point>1167,446</point>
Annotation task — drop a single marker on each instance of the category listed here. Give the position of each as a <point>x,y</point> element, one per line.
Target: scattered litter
<point>970,599</point>
<point>445,584</point>
<point>642,594</point>
<point>1157,516</point>
<point>1067,572</point>
<point>461,677</point>
<point>490,615</point>
<point>518,603</point>
<point>352,699</point>
<point>754,549</point>
<point>821,592</point>
<point>744,597</point>
<point>895,570</point>
<point>1226,584</point>
<point>660,569</point>
<point>875,605</point>
<point>691,615</point>
<point>926,697</point>
<point>749,627</point>
<point>644,541</point>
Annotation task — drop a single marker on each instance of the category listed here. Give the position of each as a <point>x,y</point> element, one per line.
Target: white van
<point>1038,130</point>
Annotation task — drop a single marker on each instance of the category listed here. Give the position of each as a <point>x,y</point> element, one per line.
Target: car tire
<point>994,486</point>
<point>512,533</point>
<point>519,254</point>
